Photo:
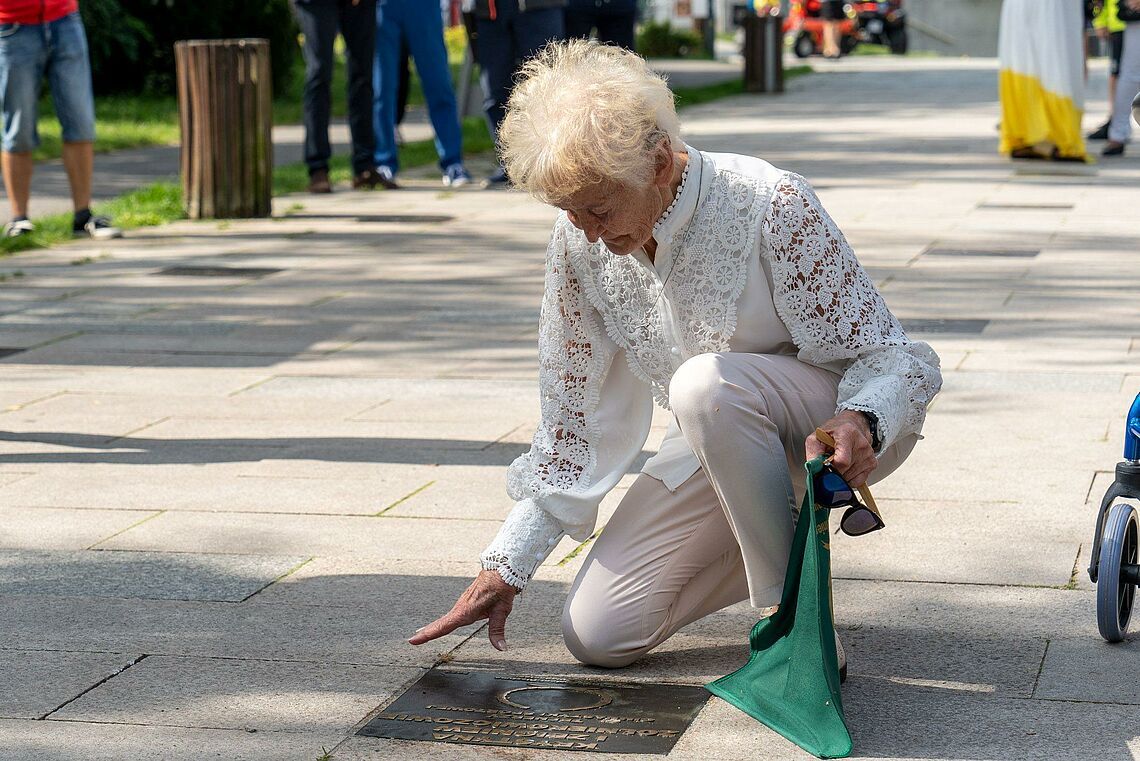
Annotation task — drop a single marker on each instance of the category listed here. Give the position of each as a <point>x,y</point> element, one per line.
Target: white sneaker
<point>18,228</point>
<point>99,228</point>
<point>456,176</point>
<point>842,659</point>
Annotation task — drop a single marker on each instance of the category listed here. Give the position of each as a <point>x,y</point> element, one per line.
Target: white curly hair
<point>582,113</point>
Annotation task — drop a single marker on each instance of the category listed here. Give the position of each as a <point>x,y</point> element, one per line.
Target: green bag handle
<point>791,679</point>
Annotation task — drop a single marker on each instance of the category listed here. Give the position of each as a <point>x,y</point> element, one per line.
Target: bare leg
<point>18,180</point>
<point>79,160</point>
<point>831,39</point>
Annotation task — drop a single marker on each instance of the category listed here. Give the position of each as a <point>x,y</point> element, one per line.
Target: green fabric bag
<point>791,680</point>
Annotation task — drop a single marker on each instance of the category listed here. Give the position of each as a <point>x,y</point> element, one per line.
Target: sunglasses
<point>833,491</point>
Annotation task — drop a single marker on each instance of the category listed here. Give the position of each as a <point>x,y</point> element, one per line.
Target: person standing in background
<point>614,20</point>
<point>38,38</point>
<point>832,12</point>
<point>356,21</point>
<point>418,23</point>
<point>1127,84</point>
<point>1109,27</point>
<point>1041,83</point>
<point>509,32</point>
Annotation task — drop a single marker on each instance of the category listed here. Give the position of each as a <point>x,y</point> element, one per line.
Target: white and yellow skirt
<point>1041,83</point>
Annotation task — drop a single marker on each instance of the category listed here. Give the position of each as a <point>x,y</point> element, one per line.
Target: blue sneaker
<point>455,176</point>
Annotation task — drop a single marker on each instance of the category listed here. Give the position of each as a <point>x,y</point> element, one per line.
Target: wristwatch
<point>873,424</point>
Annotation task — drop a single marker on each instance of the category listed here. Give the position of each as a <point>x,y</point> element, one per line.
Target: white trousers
<point>1127,85</point>
<point>667,558</point>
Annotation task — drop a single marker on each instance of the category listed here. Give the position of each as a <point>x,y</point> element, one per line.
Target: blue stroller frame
<point>1116,545</point>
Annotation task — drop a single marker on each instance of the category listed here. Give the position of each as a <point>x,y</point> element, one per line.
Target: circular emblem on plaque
<point>596,698</point>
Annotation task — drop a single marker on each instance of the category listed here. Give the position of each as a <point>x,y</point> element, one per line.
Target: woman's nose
<point>588,224</point>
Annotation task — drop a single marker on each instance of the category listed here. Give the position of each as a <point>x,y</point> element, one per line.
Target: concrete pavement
<point>226,501</point>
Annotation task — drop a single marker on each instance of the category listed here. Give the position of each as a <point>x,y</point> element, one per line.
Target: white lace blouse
<point>747,260</point>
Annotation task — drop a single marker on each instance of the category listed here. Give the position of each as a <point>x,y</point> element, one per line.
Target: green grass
<point>692,96</point>
<point>148,206</point>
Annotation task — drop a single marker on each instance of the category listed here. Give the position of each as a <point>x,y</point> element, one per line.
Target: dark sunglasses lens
<point>831,490</point>
<point>858,521</point>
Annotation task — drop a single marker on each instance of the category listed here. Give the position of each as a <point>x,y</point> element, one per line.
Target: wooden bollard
<point>225,104</point>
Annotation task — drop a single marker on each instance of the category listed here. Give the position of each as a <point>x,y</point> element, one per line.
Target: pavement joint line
<point>100,683</point>
<point>577,550</point>
<point>1040,669</point>
<point>113,439</point>
<point>334,350</point>
<point>94,546</point>
<point>403,499</point>
<point>354,417</point>
<point>198,656</point>
<point>326,299</point>
<point>1058,587</point>
<point>499,440</point>
<point>253,385</point>
<point>187,726</point>
<point>288,573</point>
<point>1092,483</point>
<point>1072,584</point>
<point>18,407</point>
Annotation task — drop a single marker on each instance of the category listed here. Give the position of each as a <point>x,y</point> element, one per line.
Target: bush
<point>657,39</point>
<point>132,41</point>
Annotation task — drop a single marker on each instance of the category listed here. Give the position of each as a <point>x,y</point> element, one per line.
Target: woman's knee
<point>699,389</point>
<point>592,637</point>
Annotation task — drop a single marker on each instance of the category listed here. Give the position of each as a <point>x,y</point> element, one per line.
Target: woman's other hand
<point>854,458</point>
<point>488,597</point>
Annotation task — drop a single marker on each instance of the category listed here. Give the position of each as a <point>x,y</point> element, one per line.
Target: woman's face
<point>620,216</point>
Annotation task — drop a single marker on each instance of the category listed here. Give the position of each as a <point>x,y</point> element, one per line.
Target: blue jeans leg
<point>69,74</point>
<point>23,57</point>
<point>424,30</point>
<point>385,83</point>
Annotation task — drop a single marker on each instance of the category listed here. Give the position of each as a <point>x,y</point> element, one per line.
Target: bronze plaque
<point>483,709</point>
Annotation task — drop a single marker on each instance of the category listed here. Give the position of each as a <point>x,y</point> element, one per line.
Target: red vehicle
<point>882,22</point>
<point>804,22</point>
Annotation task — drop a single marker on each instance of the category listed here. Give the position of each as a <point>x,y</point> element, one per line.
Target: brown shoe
<point>370,179</point>
<point>319,181</point>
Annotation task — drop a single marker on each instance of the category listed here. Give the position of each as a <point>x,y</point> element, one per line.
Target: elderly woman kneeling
<point>718,287</point>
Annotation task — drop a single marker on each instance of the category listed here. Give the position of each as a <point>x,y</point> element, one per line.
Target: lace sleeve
<point>595,418</point>
<point>834,313</point>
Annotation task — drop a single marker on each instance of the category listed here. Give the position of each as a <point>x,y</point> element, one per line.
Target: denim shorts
<point>28,52</point>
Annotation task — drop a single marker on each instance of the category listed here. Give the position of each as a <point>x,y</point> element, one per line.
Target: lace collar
<point>681,211</point>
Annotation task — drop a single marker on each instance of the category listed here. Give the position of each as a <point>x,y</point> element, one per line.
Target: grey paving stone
<point>82,741</point>
<point>33,683</point>
<point>308,535</point>
<point>312,633</point>
<point>1090,670</point>
<point>139,575</point>
<point>229,693</point>
<point>963,542</point>
<point>217,487</point>
<point>52,529</point>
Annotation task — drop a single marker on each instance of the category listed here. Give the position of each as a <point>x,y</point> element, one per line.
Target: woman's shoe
<point>1100,133</point>
<point>1113,149</point>
<point>1027,153</point>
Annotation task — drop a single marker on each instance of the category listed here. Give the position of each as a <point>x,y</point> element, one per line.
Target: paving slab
<point>226,693</point>
<point>72,740</point>
<point>291,535</point>
<point>34,683</point>
<point>140,575</point>
<point>51,529</point>
<point>1089,670</point>
<point>311,633</point>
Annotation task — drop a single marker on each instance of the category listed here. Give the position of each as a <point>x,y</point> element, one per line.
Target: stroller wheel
<point>1116,582</point>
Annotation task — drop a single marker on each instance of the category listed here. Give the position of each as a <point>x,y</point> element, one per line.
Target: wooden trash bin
<point>225,103</point>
